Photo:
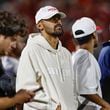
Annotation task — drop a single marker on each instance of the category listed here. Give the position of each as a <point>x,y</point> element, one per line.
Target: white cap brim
<point>62,15</point>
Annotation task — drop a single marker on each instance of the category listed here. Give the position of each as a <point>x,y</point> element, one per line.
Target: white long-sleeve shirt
<point>41,65</point>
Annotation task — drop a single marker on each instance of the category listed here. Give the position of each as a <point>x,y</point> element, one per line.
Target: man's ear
<point>39,26</point>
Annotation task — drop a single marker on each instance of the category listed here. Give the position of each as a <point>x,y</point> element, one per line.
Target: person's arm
<point>21,97</point>
<point>19,107</point>
<point>6,102</point>
<point>98,100</point>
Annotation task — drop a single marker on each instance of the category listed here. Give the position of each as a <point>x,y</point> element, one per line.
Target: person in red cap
<point>46,63</point>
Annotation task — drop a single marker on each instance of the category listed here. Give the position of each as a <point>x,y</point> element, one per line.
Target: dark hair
<point>83,39</point>
<point>11,25</point>
<point>22,29</point>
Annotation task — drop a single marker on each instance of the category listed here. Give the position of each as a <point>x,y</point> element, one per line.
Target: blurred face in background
<point>5,42</point>
<point>11,28</point>
<point>16,47</point>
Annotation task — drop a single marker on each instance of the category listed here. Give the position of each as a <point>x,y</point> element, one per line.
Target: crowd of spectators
<point>99,10</point>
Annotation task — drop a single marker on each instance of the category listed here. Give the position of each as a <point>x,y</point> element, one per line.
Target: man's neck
<point>86,47</point>
<point>53,41</point>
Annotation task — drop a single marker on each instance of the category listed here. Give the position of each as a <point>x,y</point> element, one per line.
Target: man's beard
<point>58,31</point>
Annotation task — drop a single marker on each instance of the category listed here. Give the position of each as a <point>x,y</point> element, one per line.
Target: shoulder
<point>106,46</point>
<point>105,51</point>
<point>81,55</point>
<point>65,51</point>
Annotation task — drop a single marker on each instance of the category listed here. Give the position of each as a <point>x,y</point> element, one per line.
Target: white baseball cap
<point>84,24</point>
<point>47,12</point>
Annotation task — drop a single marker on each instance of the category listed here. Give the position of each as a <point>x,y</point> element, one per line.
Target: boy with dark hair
<point>9,28</point>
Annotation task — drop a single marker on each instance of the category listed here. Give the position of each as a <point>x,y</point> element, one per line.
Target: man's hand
<point>23,96</point>
<point>58,107</point>
<point>108,108</point>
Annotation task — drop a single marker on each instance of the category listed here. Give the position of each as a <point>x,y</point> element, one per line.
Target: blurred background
<point>98,10</point>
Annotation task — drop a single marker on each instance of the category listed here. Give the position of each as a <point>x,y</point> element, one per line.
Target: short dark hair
<point>11,25</point>
<point>83,39</point>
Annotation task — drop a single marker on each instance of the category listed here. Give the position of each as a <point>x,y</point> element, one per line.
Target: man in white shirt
<point>46,64</point>
<point>86,69</point>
